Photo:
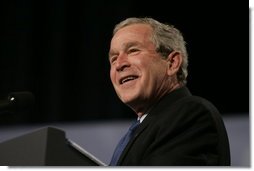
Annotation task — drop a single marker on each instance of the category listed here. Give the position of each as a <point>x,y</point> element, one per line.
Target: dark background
<point>57,49</point>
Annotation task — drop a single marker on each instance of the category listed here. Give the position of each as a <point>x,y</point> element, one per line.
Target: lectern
<point>46,146</point>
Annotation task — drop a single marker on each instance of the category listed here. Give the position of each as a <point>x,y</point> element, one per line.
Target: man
<point>148,71</point>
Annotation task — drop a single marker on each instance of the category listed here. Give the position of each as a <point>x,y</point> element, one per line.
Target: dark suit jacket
<point>180,130</point>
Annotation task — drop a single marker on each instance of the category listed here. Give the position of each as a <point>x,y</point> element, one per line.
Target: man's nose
<point>122,62</point>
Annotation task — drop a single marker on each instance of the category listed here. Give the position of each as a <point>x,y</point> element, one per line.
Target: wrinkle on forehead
<point>132,35</point>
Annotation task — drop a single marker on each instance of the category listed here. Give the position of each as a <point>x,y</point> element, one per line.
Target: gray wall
<point>100,138</point>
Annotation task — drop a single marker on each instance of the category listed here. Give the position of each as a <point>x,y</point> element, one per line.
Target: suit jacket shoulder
<point>181,129</point>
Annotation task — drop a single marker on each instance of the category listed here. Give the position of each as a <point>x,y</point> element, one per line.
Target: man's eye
<point>133,50</point>
<point>113,59</point>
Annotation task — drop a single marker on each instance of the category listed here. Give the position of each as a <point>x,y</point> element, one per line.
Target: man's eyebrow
<point>111,53</point>
<point>130,44</point>
<point>125,47</point>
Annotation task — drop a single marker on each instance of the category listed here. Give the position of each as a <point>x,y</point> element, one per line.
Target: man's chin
<point>129,97</point>
<point>131,102</point>
<point>127,100</point>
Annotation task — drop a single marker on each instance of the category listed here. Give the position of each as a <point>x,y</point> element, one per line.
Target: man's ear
<point>174,62</point>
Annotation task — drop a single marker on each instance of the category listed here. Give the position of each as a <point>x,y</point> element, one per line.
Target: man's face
<point>138,72</point>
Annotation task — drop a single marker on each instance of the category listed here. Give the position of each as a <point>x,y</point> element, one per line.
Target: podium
<point>46,146</point>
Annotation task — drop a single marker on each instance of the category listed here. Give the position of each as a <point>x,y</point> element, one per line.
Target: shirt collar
<point>142,118</point>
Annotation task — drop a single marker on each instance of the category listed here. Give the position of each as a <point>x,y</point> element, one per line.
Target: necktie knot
<point>134,125</point>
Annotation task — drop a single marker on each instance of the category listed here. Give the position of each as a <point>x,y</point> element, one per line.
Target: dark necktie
<point>123,142</point>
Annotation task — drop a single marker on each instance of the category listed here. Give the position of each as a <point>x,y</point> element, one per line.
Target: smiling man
<point>148,71</point>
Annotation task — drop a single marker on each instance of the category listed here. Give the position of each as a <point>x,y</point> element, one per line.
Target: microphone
<point>17,101</point>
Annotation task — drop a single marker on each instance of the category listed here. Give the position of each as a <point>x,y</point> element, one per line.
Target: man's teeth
<point>128,79</point>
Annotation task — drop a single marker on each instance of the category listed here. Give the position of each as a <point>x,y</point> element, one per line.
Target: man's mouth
<point>127,79</point>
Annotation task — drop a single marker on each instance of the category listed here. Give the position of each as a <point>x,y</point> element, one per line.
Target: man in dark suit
<point>148,71</point>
